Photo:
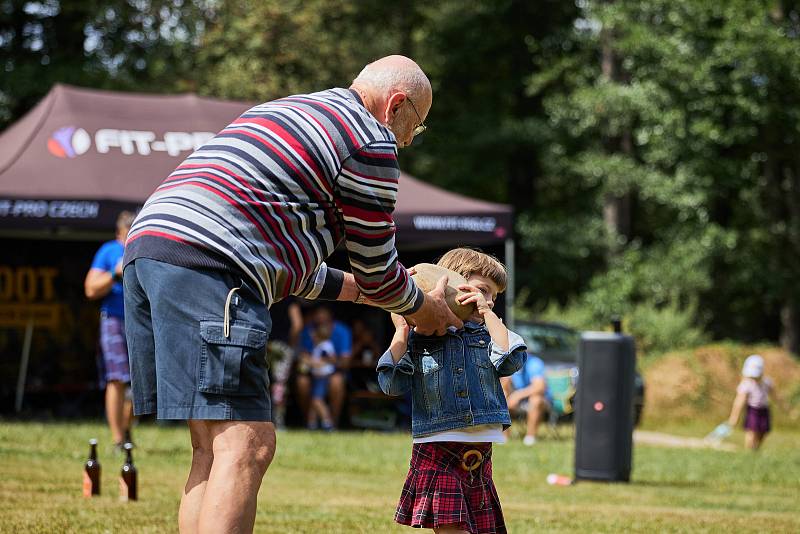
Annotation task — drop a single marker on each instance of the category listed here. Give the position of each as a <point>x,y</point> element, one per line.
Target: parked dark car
<point>557,345</point>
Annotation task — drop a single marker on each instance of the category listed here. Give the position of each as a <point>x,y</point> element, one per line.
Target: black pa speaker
<point>604,406</point>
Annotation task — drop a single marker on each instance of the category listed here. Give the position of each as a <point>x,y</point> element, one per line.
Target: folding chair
<point>559,385</point>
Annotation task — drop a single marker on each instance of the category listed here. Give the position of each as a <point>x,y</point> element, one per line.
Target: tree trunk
<point>790,327</point>
<point>616,208</point>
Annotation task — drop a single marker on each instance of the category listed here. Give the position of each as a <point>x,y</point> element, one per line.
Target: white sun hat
<point>753,366</point>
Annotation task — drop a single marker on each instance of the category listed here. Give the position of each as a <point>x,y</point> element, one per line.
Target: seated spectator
<point>341,339</point>
<point>527,390</point>
<point>366,348</point>
<point>366,351</point>
<point>287,322</point>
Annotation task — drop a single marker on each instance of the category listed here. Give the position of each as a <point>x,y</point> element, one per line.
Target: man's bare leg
<point>535,412</point>
<point>242,451</point>
<point>508,385</point>
<point>127,412</point>
<point>115,401</point>
<point>336,394</point>
<point>202,458</point>
<point>303,393</point>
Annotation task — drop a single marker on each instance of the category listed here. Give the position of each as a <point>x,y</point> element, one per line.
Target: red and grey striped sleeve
<point>266,197</point>
<point>366,192</point>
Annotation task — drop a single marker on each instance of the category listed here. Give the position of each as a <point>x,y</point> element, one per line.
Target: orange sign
<point>43,315</point>
<point>28,293</point>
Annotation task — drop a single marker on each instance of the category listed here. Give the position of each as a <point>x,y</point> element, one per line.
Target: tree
<point>261,50</point>
<point>134,45</point>
<point>709,99</point>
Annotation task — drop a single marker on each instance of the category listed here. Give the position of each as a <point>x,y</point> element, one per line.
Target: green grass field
<point>350,482</point>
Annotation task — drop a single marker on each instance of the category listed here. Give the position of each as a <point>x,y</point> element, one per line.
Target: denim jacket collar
<point>469,326</point>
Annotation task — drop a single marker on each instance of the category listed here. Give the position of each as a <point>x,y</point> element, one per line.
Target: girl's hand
<point>400,324</point>
<point>475,296</point>
<point>399,344</point>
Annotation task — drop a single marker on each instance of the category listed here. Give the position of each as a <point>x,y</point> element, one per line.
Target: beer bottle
<point>127,479</point>
<point>91,472</point>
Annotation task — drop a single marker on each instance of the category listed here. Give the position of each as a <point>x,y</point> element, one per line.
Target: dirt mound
<point>700,384</point>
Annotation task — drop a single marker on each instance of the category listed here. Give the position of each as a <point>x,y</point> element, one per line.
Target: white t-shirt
<point>468,434</point>
<point>757,391</point>
<point>326,349</point>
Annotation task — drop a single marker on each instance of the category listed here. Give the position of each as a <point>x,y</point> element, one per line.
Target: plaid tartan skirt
<point>440,492</point>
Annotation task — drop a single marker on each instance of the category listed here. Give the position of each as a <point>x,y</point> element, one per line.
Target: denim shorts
<point>189,358</point>
<point>320,386</point>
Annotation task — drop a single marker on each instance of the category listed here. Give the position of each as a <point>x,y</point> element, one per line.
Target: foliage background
<point>650,149</point>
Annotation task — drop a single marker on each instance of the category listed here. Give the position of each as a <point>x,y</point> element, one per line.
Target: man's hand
<point>513,399</point>
<point>434,316</point>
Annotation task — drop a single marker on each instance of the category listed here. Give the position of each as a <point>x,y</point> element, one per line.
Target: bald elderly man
<point>245,221</point>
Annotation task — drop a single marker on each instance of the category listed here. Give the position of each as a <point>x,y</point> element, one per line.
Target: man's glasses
<point>421,126</point>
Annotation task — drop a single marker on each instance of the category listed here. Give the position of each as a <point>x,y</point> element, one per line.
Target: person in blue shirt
<point>528,384</point>
<point>458,407</point>
<point>104,282</point>
<point>342,339</point>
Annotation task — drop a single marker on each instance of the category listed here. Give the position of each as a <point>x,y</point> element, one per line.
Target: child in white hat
<point>753,392</point>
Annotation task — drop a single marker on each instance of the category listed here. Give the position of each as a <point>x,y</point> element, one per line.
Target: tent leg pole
<point>23,366</point>
<point>510,295</point>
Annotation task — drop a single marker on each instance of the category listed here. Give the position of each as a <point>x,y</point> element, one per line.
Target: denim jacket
<point>454,379</point>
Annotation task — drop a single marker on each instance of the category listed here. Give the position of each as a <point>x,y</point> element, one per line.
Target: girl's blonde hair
<point>467,261</point>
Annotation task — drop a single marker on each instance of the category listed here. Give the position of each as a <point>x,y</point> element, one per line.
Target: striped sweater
<point>273,194</point>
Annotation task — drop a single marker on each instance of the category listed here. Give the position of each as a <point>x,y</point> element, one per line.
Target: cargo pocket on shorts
<point>222,358</point>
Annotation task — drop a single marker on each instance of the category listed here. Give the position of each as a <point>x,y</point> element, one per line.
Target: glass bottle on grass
<point>91,472</point>
<point>127,477</point>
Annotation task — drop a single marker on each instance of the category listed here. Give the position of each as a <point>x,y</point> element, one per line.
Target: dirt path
<point>647,437</point>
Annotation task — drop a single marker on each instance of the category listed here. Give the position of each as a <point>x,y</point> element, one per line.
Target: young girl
<point>458,406</point>
<point>753,392</point>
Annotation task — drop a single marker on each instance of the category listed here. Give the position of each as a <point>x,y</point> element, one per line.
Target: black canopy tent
<point>82,155</point>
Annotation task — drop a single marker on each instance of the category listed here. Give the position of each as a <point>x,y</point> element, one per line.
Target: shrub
<point>657,329</point>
